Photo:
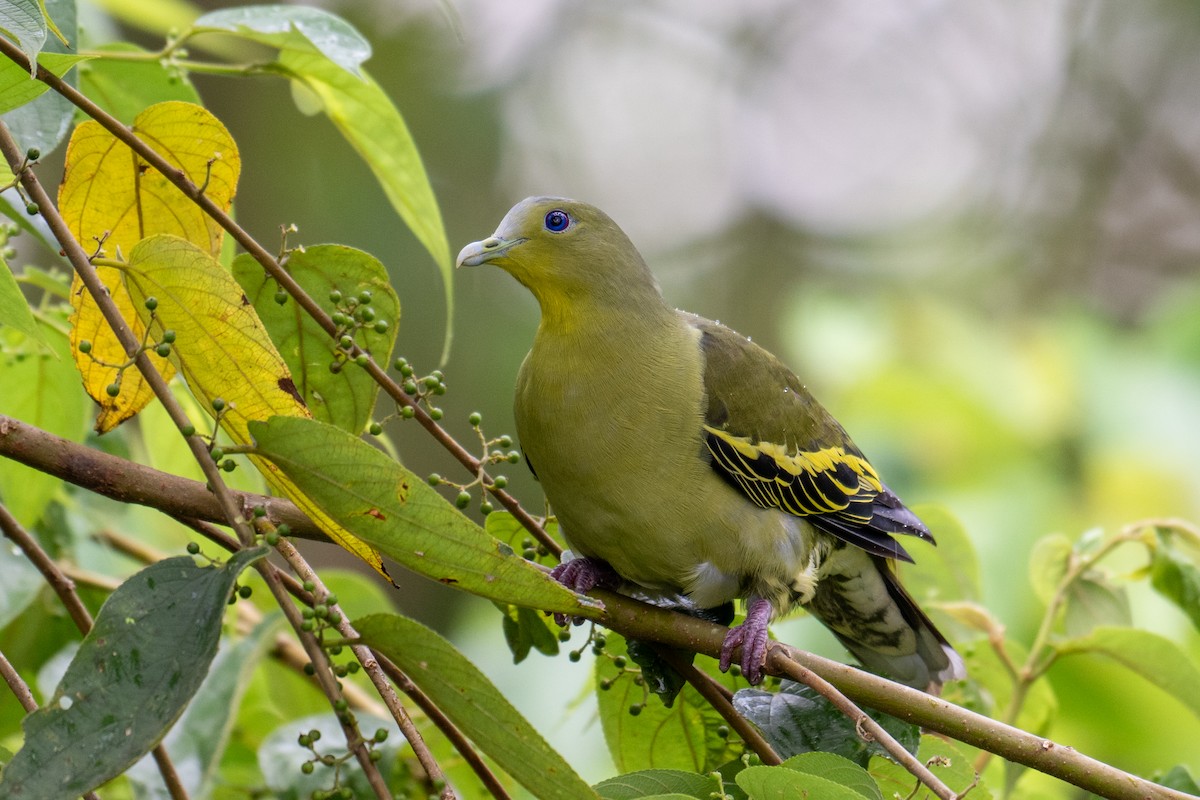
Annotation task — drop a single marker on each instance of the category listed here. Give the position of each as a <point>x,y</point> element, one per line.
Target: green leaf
<point>1048,564</point>
<point>197,743</point>
<point>391,509</point>
<point>1091,601</point>
<point>136,670</point>
<point>126,88</point>
<point>780,783</point>
<point>22,20</point>
<point>797,719</point>
<point>474,704</point>
<point>371,123</point>
<point>1155,658</point>
<point>42,389</point>
<point>288,27</point>
<point>950,571</point>
<point>21,581</point>
<point>14,308</point>
<point>345,398</point>
<point>837,769</point>
<point>280,757</point>
<point>682,737</point>
<point>1180,778</point>
<point>44,122</point>
<point>945,760</point>
<point>16,89</point>
<point>1176,577</point>
<point>658,782</point>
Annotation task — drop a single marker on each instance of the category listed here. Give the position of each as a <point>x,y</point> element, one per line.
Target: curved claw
<point>751,637</point>
<point>582,575</point>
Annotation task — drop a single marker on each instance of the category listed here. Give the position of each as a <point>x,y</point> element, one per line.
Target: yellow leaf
<point>111,199</point>
<point>223,351</point>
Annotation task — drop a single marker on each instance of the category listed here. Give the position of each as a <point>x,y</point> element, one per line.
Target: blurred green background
<point>973,229</point>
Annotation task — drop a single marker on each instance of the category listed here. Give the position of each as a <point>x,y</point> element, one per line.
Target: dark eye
<point>557,221</point>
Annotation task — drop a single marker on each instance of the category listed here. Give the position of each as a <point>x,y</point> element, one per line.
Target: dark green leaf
<point>474,704</point>
<point>16,89</point>
<point>136,670</point>
<point>14,308</point>
<point>1176,577</point>
<point>344,398</point>
<point>393,510</point>
<point>197,743</point>
<point>797,719</point>
<point>657,782</point>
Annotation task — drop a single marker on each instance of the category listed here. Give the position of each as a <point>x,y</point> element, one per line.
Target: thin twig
<point>16,685</point>
<point>718,696</point>
<point>372,669</point>
<point>64,588</point>
<point>863,722</point>
<point>286,282</point>
<point>83,267</point>
<point>129,482</point>
<point>445,725</point>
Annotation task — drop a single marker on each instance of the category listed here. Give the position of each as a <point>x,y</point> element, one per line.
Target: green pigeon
<point>681,458</point>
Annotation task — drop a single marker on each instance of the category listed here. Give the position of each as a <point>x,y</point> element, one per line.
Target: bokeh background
<point>972,228</point>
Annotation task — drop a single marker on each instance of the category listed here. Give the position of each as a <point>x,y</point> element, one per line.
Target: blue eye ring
<point>557,221</point>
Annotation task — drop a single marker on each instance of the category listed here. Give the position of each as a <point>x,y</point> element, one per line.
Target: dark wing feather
<point>771,439</point>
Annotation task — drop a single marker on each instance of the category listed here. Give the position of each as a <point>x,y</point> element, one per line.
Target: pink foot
<point>582,575</point>
<point>751,637</point>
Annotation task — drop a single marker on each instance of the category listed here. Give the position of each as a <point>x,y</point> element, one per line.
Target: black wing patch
<point>838,492</point>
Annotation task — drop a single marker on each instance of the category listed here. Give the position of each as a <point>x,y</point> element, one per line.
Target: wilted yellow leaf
<point>223,351</point>
<point>111,199</point>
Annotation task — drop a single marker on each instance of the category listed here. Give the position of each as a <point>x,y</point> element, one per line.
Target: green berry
<point>163,350</point>
<point>381,734</point>
<point>362,359</point>
<point>217,453</point>
<point>281,297</point>
<point>320,611</point>
<point>514,457</point>
<point>430,382</point>
<point>435,414</point>
<point>331,600</point>
<point>434,479</point>
<point>381,326</point>
<point>407,371</point>
<point>193,548</point>
<point>309,586</point>
<point>168,336</point>
<point>113,389</point>
<point>364,296</point>
<point>245,591</point>
<point>475,419</point>
<point>500,481</point>
<point>338,318</point>
<point>437,373</point>
<point>346,342</point>
<point>574,656</point>
<point>375,429</point>
<point>188,430</point>
<point>408,412</point>
<point>308,625</point>
<point>32,209</point>
<point>486,508</point>
<point>218,404</point>
<point>505,441</point>
<point>366,314</point>
<point>400,363</point>
<point>463,500</point>
<point>283,529</point>
<point>636,709</point>
<point>85,347</point>
<point>33,154</point>
<point>564,635</point>
<point>229,465</point>
<point>439,389</point>
<point>259,511</point>
<point>335,297</point>
<point>335,367</point>
<point>272,538</point>
<point>307,768</point>
<point>619,662</point>
<point>307,613</point>
<point>529,554</point>
<point>410,387</point>
<point>151,303</point>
